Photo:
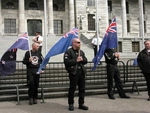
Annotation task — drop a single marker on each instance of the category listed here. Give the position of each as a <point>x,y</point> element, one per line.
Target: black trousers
<point>95,49</point>
<point>33,83</point>
<point>113,73</point>
<point>77,79</point>
<point>147,78</point>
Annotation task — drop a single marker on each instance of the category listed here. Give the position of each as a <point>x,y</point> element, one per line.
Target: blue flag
<point>135,62</point>
<point>109,41</point>
<point>21,43</point>
<point>60,47</point>
<point>8,60</point>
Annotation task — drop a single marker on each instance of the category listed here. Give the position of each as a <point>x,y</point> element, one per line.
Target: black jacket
<point>110,57</point>
<point>37,59</point>
<point>70,62</point>
<point>144,61</point>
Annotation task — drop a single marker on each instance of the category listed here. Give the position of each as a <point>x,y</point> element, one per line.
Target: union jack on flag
<point>21,43</point>
<point>73,31</point>
<point>24,36</point>
<point>109,41</point>
<point>112,27</point>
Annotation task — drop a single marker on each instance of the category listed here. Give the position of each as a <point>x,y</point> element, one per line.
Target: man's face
<point>147,45</point>
<point>36,47</point>
<point>77,44</point>
<point>37,33</point>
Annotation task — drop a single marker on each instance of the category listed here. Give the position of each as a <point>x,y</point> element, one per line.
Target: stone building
<point>56,17</point>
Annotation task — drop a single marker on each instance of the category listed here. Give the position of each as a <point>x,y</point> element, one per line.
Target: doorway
<point>33,26</point>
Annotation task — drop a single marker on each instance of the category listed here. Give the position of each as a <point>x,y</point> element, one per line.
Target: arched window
<point>33,6</point>
<point>10,5</point>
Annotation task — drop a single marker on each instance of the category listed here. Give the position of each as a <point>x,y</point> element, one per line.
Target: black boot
<point>71,107</point>
<point>30,101</point>
<point>83,107</point>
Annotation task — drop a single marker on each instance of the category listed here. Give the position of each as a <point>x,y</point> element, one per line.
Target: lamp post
<point>80,18</point>
<point>97,20</point>
<point>97,23</point>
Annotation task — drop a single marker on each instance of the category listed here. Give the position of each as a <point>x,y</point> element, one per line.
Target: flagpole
<point>45,28</point>
<point>80,27</point>
<point>29,45</point>
<point>96,19</point>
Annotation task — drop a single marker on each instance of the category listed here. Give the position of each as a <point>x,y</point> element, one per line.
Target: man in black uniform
<point>111,58</point>
<point>33,59</point>
<point>74,60</point>
<point>144,64</point>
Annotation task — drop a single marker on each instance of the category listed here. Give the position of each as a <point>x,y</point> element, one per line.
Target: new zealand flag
<point>8,62</point>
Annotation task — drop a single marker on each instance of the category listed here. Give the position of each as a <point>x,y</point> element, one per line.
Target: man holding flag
<point>74,60</point>
<point>111,58</point>
<point>32,60</point>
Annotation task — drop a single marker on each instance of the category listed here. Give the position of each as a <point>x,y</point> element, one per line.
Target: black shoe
<point>34,101</point>
<point>125,96</point>
<point>83,107</point>
<point>30,101</point>
<point>148,99</point>
<point>112,97</point>
<point>71,107</point>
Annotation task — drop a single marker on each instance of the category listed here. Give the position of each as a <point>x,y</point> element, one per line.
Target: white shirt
<point>94,41</point>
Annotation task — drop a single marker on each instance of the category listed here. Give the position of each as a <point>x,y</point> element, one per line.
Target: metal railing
<point>56,76</point>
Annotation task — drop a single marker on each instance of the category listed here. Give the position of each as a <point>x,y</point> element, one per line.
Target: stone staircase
<point>54,82</point>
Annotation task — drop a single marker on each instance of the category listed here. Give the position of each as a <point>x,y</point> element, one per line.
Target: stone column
<point>21,17</point>
<point>141,21</point>
<point>71,14</point>
<point>50,17</point>
<point>124,18</point>
<point>0,19</point>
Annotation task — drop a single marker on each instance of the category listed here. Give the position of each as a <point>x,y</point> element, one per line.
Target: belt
<point>32,67</point>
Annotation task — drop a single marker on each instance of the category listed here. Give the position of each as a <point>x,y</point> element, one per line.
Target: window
<point>58,27</point>
<point>59,5</point>
<point>109,6</point>
<point>55,7</point>
<point>91,22</point>
<point>33,6</point>
<point>90,2</point>
<point>119,46</point>
<point>119,49</point>
<point>10,25</point>
<point>128,26</point>
<point>135,47</point>
<point>10,5</point>
<point>127,7</point>
<point>145,30</point>
<point>143,7</point>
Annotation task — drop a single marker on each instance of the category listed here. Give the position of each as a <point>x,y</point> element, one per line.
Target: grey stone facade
<point>69,11</point>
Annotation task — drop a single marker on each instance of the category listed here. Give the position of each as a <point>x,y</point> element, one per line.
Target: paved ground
<point>97,104</point>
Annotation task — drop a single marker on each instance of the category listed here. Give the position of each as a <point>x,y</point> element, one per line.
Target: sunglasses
<point>78,42</point>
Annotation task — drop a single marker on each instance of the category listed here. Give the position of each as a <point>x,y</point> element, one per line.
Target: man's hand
<point>79,58</point>
<point>30,59</point>
<point>117,55</point>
